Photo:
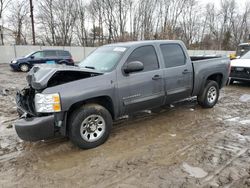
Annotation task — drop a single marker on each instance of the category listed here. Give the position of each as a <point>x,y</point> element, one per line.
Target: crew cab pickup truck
<point>115,80</point>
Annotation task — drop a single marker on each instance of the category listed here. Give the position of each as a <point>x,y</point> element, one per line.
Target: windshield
<point>246,56</point>
<point>29,54</point>
<point>103,59</point>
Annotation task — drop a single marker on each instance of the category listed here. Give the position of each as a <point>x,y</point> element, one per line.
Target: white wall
<point>7,53</point>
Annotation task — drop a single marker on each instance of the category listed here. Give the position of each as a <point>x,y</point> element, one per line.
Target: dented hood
<point>43,76</point>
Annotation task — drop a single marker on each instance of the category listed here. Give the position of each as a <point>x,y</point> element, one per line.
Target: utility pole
<point>1,31</point>
<point>32,22</point>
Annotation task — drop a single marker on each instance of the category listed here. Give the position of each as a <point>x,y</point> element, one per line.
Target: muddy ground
<point>181,145</point>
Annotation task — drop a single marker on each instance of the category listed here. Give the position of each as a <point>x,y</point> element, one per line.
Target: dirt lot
<point>182,145</point>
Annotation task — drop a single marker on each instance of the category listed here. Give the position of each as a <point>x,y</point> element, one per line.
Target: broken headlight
<point>47,103</point>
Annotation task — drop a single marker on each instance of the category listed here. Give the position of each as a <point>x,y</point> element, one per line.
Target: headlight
<point>47,103</point>
<point>14,61</point>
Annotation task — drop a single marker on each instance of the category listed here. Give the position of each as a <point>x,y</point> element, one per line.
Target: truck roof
<point>144,42</point>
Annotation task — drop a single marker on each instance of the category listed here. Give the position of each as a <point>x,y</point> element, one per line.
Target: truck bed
<point>208,65</point>
<point>199,58</point>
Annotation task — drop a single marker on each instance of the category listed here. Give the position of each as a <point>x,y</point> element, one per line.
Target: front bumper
<point>35,128</point>
<point>14,66</point>
<point>240,73</point>
<point>32,127</point>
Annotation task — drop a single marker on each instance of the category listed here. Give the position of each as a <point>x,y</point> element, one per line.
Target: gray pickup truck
<point>113,81</point>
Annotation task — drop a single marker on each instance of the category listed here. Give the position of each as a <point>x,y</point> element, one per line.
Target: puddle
<point>173,135</point>
<point>235,119</point>
<point>245,98</point>
<point>194,171</point>
<point>245,122</point>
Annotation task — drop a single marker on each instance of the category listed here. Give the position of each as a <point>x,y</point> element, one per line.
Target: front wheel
<point>24,67</point>
<point>210,94</point>
<point>90,126</point>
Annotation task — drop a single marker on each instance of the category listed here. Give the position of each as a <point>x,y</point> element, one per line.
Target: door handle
<point>156,77</point>
<point>185,71</point>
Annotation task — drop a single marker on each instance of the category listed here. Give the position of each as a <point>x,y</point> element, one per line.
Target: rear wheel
<point>210,95</point>
<point>24,67</point>
<point>90,126</point>
<point>63,63</point>
<point>231,81</point>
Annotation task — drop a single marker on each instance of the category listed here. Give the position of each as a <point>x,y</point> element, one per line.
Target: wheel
<point>210,95</point>
<point>63,63</point>
<point>231,81</point>
<point>90,126</point>
<point>24,68</point>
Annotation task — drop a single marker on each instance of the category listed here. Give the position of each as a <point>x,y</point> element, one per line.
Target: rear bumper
<point>35,128</point>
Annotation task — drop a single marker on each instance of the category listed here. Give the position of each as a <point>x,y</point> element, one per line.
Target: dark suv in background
<point>24,64</point>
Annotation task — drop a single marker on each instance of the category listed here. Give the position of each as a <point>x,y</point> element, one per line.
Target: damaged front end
<point>25,102</point>
<point>33,125</point>
<point>44,76</point>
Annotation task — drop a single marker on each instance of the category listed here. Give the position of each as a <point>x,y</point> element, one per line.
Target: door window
<point>147,56</point>
<point>63,54</point>
<point>173,55</point>
<point>50,53</point>
<point>38,55</point>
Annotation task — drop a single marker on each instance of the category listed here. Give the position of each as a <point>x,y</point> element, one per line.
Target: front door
<point>37,58</point>
<point>145,89</point>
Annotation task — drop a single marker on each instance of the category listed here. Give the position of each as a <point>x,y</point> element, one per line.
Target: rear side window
<point>63,54</point>
<point>173,55</point>
<point>147,56</point>
<point>50,53</point>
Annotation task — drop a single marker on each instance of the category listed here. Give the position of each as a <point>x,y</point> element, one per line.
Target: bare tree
<point>57,20</point>
<point>190,22</point>
<point>81,30</point>
<point>240,26</point>
<point>3,5</point>
<point>19,21</point>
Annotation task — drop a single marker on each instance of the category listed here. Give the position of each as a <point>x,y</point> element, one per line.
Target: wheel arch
<point>217,77</point>
<point>63,62</point>
<point>104,101</point>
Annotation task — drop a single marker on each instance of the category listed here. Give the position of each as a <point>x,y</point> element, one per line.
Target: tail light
<point>71,61</point>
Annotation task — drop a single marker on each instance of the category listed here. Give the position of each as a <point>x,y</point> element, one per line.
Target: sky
<point>240,3</point>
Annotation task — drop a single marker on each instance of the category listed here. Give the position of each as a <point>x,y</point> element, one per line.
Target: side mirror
<point>134,66</point>
<point>32,57</point>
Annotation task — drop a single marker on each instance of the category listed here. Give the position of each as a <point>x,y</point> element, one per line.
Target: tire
<point>63,63</point>
<point>231,81</point>
<point>90,126</point>
<point>210,95</point>
<point>24,67</point>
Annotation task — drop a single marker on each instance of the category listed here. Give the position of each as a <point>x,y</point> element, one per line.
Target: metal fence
<point>7,53</point>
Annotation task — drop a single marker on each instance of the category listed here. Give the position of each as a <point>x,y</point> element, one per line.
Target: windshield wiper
<point>89,67</point>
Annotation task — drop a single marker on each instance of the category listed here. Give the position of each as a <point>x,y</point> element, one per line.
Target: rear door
<point>178,72</point>
<point>145,89</point>
<point>51,57</point>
